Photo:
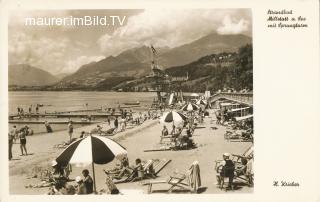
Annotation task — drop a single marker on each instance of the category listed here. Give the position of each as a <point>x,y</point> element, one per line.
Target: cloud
<point>64,49</point>
<point>41,52</point>
<point>47,53</point>
<point>233,27</point>
<point>74,64</point>
<point>173,28</point>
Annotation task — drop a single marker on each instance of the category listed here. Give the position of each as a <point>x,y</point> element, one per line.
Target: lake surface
<point>72,101</point>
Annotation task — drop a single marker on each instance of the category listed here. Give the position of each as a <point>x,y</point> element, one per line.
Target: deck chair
<point>247,154</point>
<point>189,181</point>
<point>246,176</point>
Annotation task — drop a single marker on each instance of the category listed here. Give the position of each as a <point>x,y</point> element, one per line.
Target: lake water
<point>69,101</point>
<point>72,101</point>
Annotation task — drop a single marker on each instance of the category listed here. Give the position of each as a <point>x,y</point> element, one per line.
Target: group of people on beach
<point>29,110</point>
<point>116,124</point>
<point>60,177</point>
<point>180,137</point>
<point>21,134</point>
<point>60,182</point>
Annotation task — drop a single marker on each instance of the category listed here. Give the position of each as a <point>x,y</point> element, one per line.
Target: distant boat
<point>132,103</point>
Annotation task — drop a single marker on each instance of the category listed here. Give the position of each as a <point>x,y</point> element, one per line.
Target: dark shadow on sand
<point>15,159</point>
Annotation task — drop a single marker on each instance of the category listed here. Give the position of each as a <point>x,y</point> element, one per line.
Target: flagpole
<point>94,175</point>
<point>94,179</point>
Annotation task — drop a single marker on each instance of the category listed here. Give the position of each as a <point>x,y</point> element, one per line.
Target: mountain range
<point>135,63</point>
<point>226,70</point>
<point>26,75</point>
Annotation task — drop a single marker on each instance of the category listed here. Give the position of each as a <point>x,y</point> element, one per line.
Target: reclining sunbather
<point>137,172</point>
<point>121,169</point>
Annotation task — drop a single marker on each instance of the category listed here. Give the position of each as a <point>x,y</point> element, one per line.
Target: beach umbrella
<point>190,107</point>
<point>201,102</point>
<point>173,116</point>
<point>90,150</point>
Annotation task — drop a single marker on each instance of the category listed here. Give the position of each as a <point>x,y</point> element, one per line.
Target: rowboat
<point>132,103</point>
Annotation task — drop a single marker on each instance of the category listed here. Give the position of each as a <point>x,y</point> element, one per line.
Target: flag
<point>153,50</point>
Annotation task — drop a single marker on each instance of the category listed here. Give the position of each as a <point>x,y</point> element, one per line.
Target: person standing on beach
<point>70,130</point>
<point>23,140</point>
<point>116,123</point>
<point>11,138</point>
<point>14,133</point>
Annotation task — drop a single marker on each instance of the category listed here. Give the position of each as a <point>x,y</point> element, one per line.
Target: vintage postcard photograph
<point>159,101</point>
<point>130,101</point>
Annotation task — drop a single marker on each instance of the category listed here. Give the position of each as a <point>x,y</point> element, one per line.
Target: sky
<point>62,49</point>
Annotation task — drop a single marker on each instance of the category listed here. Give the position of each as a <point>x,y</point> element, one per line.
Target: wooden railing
<point>244,98</point>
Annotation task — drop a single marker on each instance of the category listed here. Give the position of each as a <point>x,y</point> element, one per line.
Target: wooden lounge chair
<point>175,181</point>
<point>248,153</point>
<point>184,181</point>
<point>248,177</point>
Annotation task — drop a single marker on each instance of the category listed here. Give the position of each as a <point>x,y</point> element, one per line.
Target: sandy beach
<point>210,147</point>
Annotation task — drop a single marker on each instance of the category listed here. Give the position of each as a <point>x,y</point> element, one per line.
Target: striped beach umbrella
<point>190,107</point>
<point>173,117</point>
<point>90,150</point>
<point>201,102</point>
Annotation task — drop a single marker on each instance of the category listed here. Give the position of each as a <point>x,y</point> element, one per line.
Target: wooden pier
<point>52,122</point>
<point>63,115</point>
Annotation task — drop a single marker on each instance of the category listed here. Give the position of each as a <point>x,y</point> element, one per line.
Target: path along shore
<point>210,147</point>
